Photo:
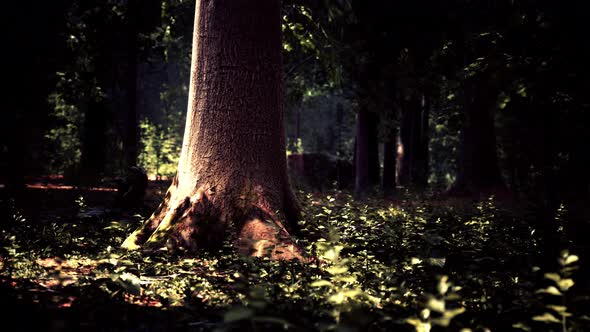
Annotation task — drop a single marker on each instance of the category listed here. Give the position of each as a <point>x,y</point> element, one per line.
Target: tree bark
<point>361,153</point>
<point>478,169</point>
<point>232,169</point>
<point>373,149</point>
<point>414,140</point>
<point>389,162</point>
<point>420,169</point>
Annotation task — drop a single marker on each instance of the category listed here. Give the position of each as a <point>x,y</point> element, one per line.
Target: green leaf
<point>558,308</point>
<point>373,299</point>
<point>521,326</point>
<point>504,102</point>
<point>352,293</point>
<point>321,283</point>
<point>332,254</point>
<point>435,304</point>
<point>130,282</point>
<point>337,269</point>
<point>237,314</point>
<point>447,316</point>
<point>419,325</point>
<point>553,276</point>
<point>565,284</point>
<point>349,278</point>
<point>443,285</point>
<point>337,298</point>
<point>546,318</point>
<point>415,260</point>
<point>550,290</point>
<point>571,259</point>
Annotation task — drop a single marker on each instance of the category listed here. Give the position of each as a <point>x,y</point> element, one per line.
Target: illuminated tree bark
<point>232,175</point>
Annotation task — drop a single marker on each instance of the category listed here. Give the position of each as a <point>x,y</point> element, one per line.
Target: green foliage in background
<point>160,149</point>
<point>64,136</point>
<point>444,133</point>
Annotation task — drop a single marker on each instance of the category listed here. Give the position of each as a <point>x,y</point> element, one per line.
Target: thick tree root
<point>195,224</point>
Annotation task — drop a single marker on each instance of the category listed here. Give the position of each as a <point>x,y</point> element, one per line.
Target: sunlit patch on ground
<point>64,187</point>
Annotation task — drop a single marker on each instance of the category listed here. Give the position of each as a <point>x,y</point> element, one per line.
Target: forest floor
<point>416,263</point>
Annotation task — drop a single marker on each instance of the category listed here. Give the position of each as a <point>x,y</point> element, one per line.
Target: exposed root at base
<point>196,224</point>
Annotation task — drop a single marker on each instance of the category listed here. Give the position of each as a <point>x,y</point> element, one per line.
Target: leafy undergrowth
<point>409,265</point>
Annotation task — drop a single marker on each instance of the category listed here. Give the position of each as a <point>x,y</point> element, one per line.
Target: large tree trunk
<point>478,169</point>
<point>232,169</point>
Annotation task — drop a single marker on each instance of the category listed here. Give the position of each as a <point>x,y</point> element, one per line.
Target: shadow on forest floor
<point>412,263</point>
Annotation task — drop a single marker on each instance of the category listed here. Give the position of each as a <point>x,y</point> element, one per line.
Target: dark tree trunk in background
<point>15,144</point>
<point>389,162</point>
<point>92,159</point>
<point>339,124</point>
<point>578,170</point>
<point>232,168</point>
<point>478,169</point>
<point>373,149</point>
<point>131,132</point>
<point>33,53</point>
<point>420,169</point>
<point>362,152</point>
<point>297,124</point>
<point>414,141</point>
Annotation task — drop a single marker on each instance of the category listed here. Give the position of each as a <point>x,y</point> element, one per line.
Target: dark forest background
<point>462,95</point>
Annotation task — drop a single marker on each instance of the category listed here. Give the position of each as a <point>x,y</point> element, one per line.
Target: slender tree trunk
<point>339,120</point>
<point>297,124</point>
<point>389,162</point>
<point>421,139</point>
<point>373,149</point>
<point>362,152</point>
<point>232,169</point>
<point>414,141</point>
<point>407,149</point>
